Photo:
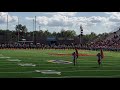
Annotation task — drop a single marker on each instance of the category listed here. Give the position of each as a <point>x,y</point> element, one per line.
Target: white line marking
<point>4,57</point>
<point>89,70</point>
<point>26,64</point>
<point>112,76</point>
<point>18,72</point>
<point>48,72</point>
<point>62,71</point>
<point>14,60</point>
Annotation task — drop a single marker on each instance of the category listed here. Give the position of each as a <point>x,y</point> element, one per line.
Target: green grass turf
<point>86,65</point>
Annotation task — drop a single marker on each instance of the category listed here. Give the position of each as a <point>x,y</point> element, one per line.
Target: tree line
<point>22,31</point>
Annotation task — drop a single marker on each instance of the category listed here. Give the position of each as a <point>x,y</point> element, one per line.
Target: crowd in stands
<point>41,46</point>
<point>112,44</point>
<point>109,44</point>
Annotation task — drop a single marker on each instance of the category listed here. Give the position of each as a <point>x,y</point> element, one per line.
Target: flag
<point>76,52</point>
<point>101,52</point>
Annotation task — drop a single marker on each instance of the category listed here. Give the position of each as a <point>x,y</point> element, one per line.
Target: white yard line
<point>62,71</point>
<point>14,60</point>
<point>89,70</point>
<point>18,72</point>
<point>5,57</point>
<point>112,76</point>
<point>56,67</point>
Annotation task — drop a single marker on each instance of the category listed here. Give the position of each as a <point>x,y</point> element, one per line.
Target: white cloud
<point>69,20</point>
<point>114,16</point>
<point>72,22</point>
<point>55,21</point>
<point>29,18</point>
<point>97,19</point>
<point>62,13</point>
<point>3,17</point>
<point>59,20</point>
<point>42,20</point>
<point>67,13</point>
<point>113,21</point>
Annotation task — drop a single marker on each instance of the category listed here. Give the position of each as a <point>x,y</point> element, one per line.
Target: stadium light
<point>35,23</point>
<point>7,29</point>
<point>81,34</point>
<point>18,30</point>
<point>39,28</point>
<point>33,30</point>
<point>18,20</point>
<point>1,18</point>
<point>7,21</point>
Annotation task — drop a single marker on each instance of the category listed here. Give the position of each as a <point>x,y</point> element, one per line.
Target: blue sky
<point>98,22</point>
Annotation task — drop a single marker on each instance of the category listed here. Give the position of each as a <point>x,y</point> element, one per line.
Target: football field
<point>38,63</point>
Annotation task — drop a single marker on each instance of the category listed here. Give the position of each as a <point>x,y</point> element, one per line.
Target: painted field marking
<point>14,60</point>
<point>5,57</point>
<point>48,72</point>
<point>60,61</point>
<point>26,64</point>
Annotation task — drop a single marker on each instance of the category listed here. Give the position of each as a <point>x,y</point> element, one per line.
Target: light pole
<point>18,30</point>
<point>81,34</point>
<point>1,17</point>
<point>33,30</point>
<point>7,22</point>
<point>39,28</point>
<point>18,20</point>
<point>35,23</point>
<point>7,29</point>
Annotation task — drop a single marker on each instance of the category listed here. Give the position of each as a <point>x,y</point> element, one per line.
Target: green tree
<point>22,30</point>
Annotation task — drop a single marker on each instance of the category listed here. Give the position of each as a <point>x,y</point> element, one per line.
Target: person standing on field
<point>74,58</point>
<point>99,58</point>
